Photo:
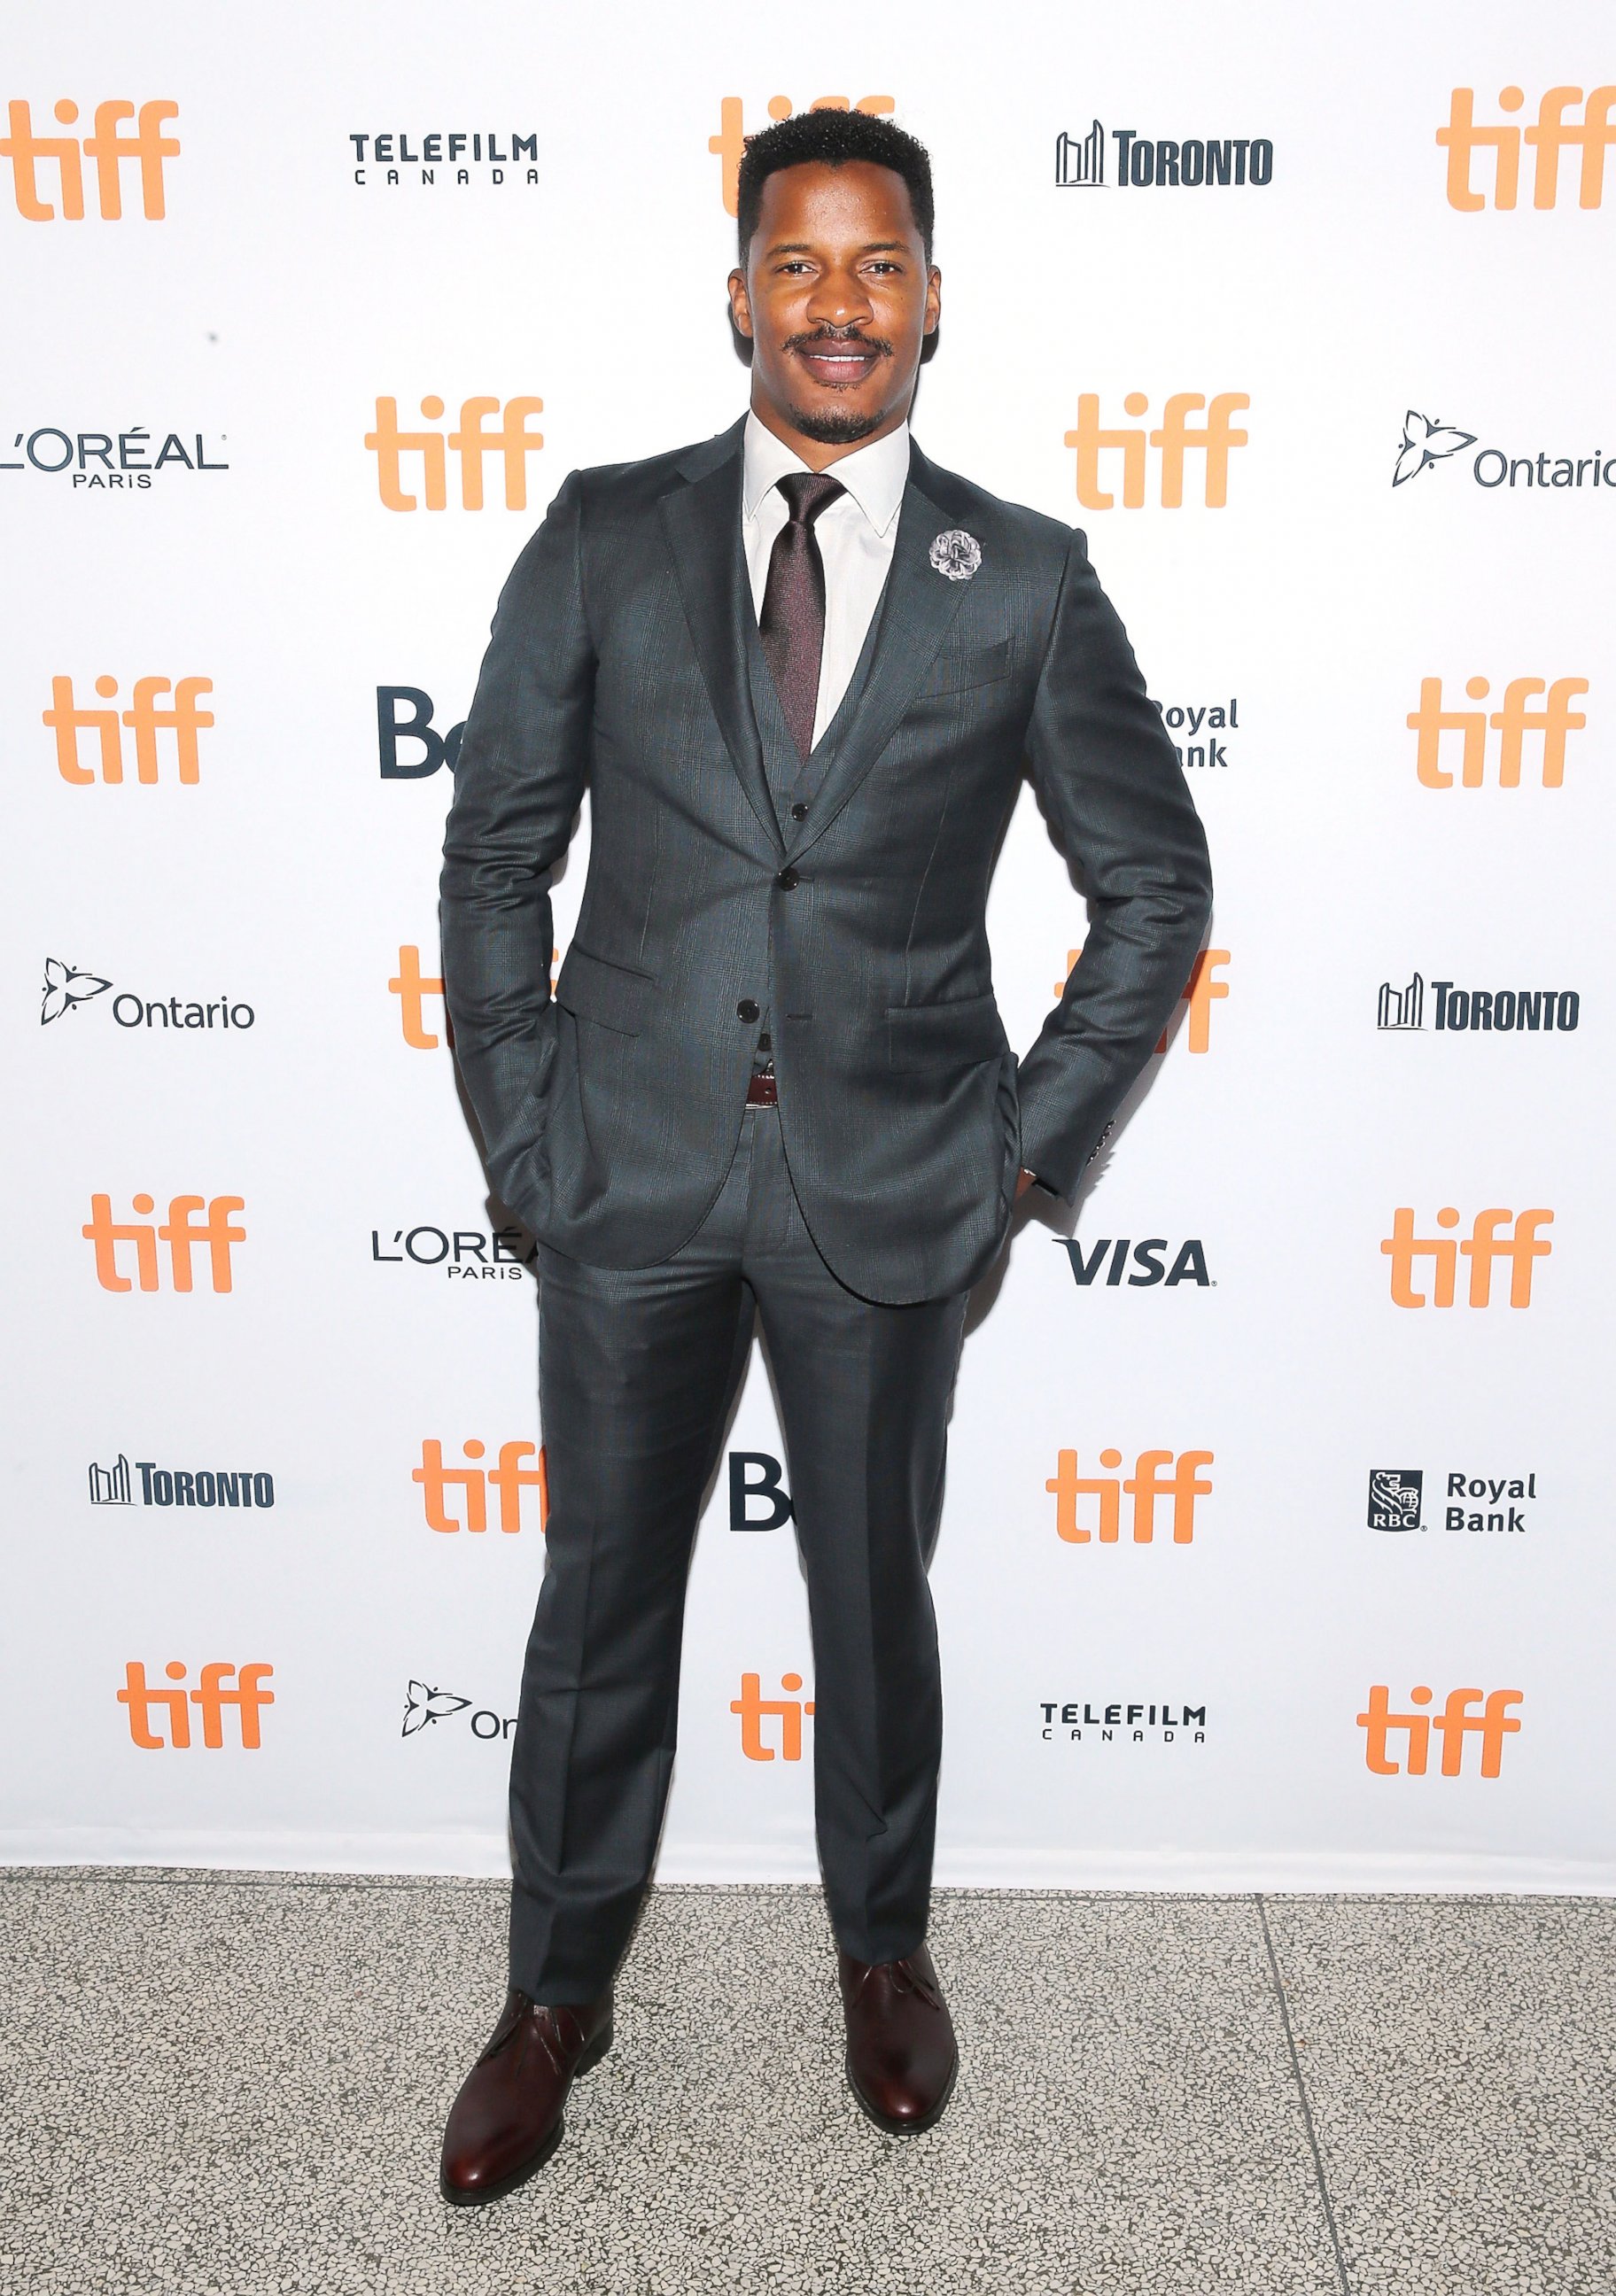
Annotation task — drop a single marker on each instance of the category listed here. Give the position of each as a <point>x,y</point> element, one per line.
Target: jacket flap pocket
<point>981,665</point>
<point>611,994</point>
<point>955,1035</point>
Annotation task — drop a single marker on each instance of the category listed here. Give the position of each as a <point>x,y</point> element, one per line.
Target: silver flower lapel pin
<point>956,554</point>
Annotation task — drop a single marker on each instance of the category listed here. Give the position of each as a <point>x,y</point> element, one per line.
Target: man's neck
<point>815,452</point>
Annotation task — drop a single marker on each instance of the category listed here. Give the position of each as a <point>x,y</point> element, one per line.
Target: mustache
<point>845,337</point>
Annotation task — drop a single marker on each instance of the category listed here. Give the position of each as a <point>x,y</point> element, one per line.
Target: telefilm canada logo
<point>1490,1504</point>
<point>1405,1009</point>
<point>1123,1721</point>
<point>1162,163</point>
<point>179,1487</point>
<point>491,156</point>
<point>112,460</point>
<point>1429,443</point>
<point>70,988</point>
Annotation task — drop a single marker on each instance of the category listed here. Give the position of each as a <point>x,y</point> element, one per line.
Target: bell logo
<point>107,147</point>
<point>1456,1722</point>
<point>1175,440</point>
<point>1202,991</point>
<point>1554,720</point>
<point>411,988</point>
<point>1553,133</point>
<point>145,720</point>
<point>1182,1485</point>
<point>730,142</point>
<point>1521,1246</point>
<point>211,1697</point>
<point>511,441</point>
<point>178,1232</point>
<point>751,1706</point>
<point>509,1478</point>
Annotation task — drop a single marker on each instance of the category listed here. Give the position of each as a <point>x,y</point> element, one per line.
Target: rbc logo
<point>753,1707</point>
<point>1184,1485</point>
<point>1491,1238</point>
<point>178,1232</point>
<point>509,1478</point>
<point>1456,1722</point>
<point>1512,723</point>
<point>145,720</point>
<point>512,441</point>
<point>107,148</point>
<point>211,1698</point>
<point>1174,439</point>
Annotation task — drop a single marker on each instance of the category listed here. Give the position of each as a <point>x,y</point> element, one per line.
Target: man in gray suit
<point>798,669</point>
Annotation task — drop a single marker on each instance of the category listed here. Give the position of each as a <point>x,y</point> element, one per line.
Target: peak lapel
<point>916,612</point>
<point>702,518</point>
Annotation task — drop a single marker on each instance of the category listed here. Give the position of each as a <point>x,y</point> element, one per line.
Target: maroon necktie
<point>791,623</point>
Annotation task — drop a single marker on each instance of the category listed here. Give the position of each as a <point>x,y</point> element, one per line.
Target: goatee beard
<point>837,427</point>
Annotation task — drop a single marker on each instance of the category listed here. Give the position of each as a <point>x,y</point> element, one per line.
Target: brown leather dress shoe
<point>506,2120</point>
<point>902,2057</point>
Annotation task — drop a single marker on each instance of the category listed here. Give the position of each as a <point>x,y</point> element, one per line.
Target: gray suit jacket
<point>622,661</point>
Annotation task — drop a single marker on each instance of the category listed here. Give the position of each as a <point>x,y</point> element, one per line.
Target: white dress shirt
<point>856,534</point>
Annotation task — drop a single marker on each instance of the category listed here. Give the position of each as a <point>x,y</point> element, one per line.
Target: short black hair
<point>830,139</point>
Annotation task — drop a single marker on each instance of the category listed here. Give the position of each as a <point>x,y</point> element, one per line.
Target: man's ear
<point>740,305</point>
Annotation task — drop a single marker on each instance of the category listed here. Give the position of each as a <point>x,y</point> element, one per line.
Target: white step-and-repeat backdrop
<point>1278,1549</point>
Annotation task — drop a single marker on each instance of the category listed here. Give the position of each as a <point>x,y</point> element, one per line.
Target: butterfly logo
<point>421,1706</point>
<point>64,988</point>
<point>1424,443</point>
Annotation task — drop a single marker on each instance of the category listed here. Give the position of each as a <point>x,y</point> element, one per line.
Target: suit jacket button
<point>749,1009</point>
<point>800,811</point>
<point>787,881</point>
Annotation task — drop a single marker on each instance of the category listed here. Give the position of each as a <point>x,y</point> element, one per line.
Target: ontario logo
<point>1427,440</point>
<point>67,989</point>
<point>424,1706</point>
<point>1197,163</point>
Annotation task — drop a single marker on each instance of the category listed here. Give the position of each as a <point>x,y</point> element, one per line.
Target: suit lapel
<point>915,614</point>
<point>702,518</point>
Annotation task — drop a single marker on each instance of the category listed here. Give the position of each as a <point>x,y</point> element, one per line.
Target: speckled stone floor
<point>233,2084</point>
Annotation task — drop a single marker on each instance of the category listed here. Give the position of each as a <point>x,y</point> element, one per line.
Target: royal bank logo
<point>466,1255</point>
<point>1396,1496</point>
<point>1196,719</point>
<point>1139,1266</point>
<point>1515,1238</point>
<point>1504,1012</point>
<point>1532,732</point>
<point>403,713</point>
<point>493,157</point>
<point>1158,1475</point>
<point>425,1707</point>
<point>48,171</point>
<point>1427,442</point>
<point>160,729</point>
<point>1553,132</point>
<point>180,1487</point>
<point>111,461</point>
<point>730,142</point>
<point>1456,1725</point>
<point>1122,1721</point>
<point>1155,464</point>
<point>456,1497</point>
<point>68,989</point>
<point>1162,163</point>
<point>469,442</point>
<point>172,1244</point>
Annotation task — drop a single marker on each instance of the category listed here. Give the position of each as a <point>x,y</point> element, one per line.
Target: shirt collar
<point>875,476</point>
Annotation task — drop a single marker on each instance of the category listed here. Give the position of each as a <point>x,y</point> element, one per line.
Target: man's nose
<point>840,299</point>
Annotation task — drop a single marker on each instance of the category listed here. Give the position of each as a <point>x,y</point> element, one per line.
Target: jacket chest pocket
<point>977,666</point>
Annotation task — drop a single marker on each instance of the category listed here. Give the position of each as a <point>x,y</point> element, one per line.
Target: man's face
<point>837,299</point>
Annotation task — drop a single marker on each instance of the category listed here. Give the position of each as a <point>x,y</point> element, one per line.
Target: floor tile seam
<point>267,1878</point>
<point>1284,2008</point>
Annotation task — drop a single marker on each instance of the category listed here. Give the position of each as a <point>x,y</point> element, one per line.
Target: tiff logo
<point>509,1478</point>
<point>179,1232</point>
<point>1490,1239</point>
<point>108,147</point>
<point>1552,134</point>
<point>730,142</point>
<point>145,719</point>
<point>1456,1722</point>
<point>411,988</point>
<point>1184,1485</point>
<point>1174,441</point>
<point>751,1706</point>
<point>1513,723</point>
<point>211,1697</point>
<point>512,441</point>
<point>1202,991</point>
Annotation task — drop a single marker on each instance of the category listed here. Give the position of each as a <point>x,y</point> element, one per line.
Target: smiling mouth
<point>837,364</point>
